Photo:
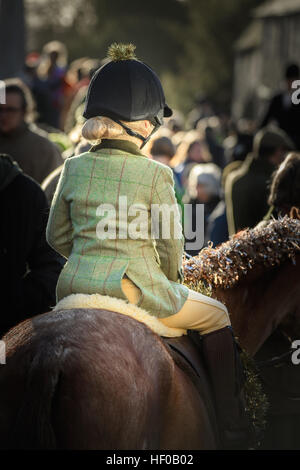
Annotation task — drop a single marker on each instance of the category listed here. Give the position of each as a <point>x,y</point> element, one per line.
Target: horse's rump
<point>93,379</point>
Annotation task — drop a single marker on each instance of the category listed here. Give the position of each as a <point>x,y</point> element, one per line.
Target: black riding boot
<point>226,374</point>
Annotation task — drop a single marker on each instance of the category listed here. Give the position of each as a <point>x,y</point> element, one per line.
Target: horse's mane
<point>225,265</point>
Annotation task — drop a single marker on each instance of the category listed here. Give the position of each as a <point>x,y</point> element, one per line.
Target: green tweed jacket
<point>78,221</point>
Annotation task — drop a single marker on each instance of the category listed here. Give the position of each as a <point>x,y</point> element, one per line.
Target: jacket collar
<point>118,144</point>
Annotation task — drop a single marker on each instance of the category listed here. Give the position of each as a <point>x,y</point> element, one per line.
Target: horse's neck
<point>260,302</point>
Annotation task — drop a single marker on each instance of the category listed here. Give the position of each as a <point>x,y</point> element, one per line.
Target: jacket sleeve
<point>59,228</point>
<point>166,224</point>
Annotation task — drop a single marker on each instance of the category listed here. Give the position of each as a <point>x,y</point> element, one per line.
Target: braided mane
<point>227,264</point>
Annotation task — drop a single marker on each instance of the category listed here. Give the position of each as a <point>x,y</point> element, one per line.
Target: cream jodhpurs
<point>199,312</point>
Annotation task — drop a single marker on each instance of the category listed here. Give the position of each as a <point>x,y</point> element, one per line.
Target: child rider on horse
<point>125,105</point>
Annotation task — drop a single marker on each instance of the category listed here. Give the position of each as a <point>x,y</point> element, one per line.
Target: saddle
<point>186,353</point>
<point>184,346</point>
<point>188,348</point>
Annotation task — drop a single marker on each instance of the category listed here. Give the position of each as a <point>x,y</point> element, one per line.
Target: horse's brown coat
<point>262,301</point>
<point>92,379</point>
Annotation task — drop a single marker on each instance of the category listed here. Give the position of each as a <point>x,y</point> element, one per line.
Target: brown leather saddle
<point>186,353</point>
<point>186,347</point>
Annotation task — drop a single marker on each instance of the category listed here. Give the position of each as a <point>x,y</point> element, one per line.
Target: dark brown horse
<point>257,275</point>
<point>93,379</point>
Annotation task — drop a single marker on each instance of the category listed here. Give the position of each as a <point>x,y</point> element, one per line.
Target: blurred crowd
<point>244,172</point>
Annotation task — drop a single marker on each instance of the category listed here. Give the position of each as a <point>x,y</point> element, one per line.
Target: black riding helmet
<point>126,89</point>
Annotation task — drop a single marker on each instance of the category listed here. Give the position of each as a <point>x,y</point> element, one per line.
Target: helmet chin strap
<point>156,122</point>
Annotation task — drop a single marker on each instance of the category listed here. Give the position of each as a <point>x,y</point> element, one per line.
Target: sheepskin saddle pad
<point>112,304</point>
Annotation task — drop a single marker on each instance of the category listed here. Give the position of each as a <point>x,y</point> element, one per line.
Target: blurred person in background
<point>246,189</point>
<point>196,152</point>
<point>239,141</point>
<point>213,134</point>
<point>162,150</point>
<point>203,108</point>
<point>217,226</point>
<point>86,69</point>
<point>33,152</point>
<point>204,187</point>
<point>78,73</point>
<point>29,268</point>
<point>284,198</point>
<point>38,88</point>
<point>53,69</point>
<point>191,151</point>
<point>282,110</point>
<point>175,123</point>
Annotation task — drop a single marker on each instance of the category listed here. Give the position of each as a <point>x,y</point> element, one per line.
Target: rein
<point>277,361</point>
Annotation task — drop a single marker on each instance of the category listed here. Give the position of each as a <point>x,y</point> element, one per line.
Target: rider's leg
<point>226,373</point>
<point>200,313</point>
<point>211,319</point>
